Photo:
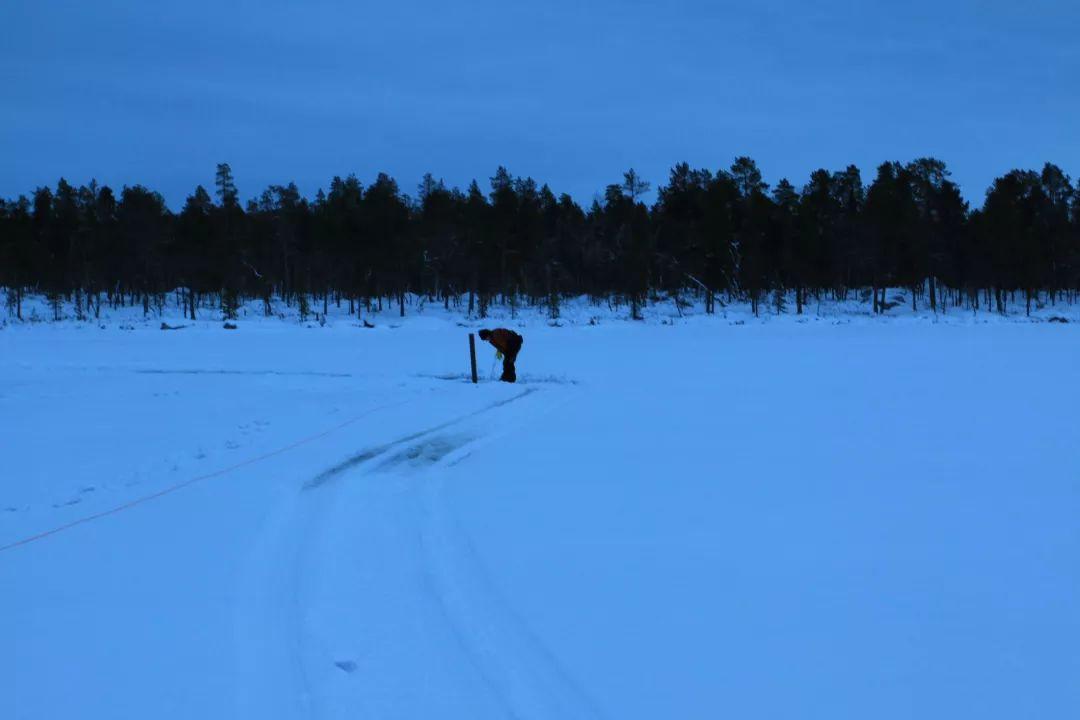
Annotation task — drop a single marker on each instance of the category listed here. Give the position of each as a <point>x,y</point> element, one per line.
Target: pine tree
<point>226,187</point>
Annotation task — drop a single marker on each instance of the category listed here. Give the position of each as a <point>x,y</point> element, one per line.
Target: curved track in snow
<point>365,598</point>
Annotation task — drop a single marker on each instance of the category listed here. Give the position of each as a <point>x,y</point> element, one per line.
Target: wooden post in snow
<point>472,356</point>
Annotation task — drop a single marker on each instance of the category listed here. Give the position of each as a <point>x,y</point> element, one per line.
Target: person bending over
<point>508,343</point>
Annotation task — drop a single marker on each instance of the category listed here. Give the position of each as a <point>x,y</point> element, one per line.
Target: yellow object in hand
<point>498,355</point>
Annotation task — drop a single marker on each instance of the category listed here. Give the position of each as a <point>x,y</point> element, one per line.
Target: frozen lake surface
<point>696,520</point>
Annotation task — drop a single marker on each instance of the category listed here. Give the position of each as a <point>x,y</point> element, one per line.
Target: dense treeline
<point>717,235</point>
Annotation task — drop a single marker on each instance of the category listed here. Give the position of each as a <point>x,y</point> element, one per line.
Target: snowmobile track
<point>393,548</point>
<point>371,453</point>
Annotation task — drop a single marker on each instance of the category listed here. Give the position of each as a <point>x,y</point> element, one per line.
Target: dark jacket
<point>505,341</point>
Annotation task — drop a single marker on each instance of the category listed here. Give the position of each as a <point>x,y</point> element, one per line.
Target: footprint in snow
<point>87,489</point>
<point>346,665</point>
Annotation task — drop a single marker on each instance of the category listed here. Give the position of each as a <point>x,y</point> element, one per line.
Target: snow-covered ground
<point>829,516</point>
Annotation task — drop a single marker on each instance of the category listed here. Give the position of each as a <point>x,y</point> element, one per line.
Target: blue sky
<point>571,93</point>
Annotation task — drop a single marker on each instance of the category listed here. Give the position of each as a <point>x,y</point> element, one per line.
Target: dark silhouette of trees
<point>713,235</point>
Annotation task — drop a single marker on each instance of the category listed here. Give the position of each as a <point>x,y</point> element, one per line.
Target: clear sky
<point>571,93</point>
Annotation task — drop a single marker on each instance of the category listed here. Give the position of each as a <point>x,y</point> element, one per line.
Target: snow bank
<point>420,312</point>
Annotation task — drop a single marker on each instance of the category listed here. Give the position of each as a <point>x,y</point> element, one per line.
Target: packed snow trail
<point>367,600</point>
<point>375,452</point>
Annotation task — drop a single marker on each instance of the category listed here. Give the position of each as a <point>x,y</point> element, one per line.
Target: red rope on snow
<point>179,486</point>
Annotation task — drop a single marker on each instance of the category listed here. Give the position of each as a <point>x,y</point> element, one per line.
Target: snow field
<point>760,520</point>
